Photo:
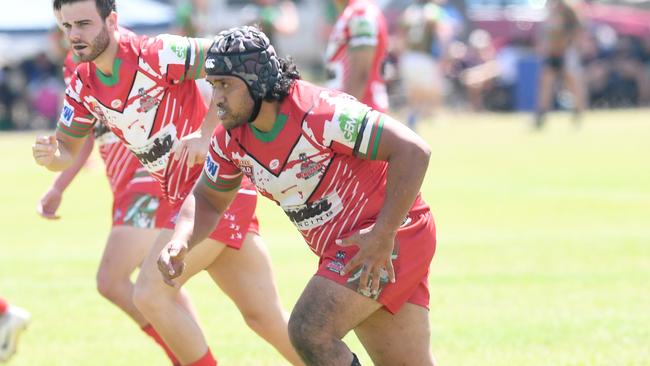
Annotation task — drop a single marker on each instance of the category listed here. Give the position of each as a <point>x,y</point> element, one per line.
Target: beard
<point>233,120</point>
<point>97,46</point>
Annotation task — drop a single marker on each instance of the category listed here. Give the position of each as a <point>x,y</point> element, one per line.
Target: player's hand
<point>374,257</point>
<point>194,146</point>
<point>44,149</point>
<point>170,260</point>
<point>49,204</point>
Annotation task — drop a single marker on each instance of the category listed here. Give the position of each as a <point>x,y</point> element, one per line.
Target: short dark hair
<point>104,7</point>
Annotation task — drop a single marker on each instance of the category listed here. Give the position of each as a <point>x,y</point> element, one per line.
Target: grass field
<point>543,252</point>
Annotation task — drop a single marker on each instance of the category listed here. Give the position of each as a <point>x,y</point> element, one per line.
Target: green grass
<point>543,254</point>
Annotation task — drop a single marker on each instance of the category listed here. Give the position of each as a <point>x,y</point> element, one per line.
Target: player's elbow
<point>420,153</point>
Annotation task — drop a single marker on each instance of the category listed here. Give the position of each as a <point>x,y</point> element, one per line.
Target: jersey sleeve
<point>364,29</point>
<point>178,58</point>
<point>354,128</point>
<point>75,120</point>
<point>219,172</point>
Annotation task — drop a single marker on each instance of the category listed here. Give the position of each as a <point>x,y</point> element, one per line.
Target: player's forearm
<point>63,159</point>
<point>196,221</point>
<point>63,179</point>
<point>406,170</point>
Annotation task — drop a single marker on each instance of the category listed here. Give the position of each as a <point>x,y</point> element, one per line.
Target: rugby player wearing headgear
<point>347,176</point>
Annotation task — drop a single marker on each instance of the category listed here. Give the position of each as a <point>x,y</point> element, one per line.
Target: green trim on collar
<point>114,78</point>
<point>280,121</point>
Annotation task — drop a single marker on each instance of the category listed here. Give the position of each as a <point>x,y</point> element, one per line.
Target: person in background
<point>273,17</point>
<point>356,51</point>
<point>419,36</point>
<point>558,45</point>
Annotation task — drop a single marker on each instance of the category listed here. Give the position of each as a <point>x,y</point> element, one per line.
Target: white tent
<point>24,24</point>
<point>33,16</point>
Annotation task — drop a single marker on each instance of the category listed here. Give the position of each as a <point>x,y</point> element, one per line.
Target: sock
<point>151,332</point>
<point>355,360</point>
<point>206,360</point>
<point>3,306</point>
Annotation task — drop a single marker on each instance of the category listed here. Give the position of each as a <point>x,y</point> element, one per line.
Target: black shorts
<point>554,62</point>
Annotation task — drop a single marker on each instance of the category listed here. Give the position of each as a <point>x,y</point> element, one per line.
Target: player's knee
<point>111,286</point>
<point>145,297</point>
<point>105,286</point>
<point>303,333</point>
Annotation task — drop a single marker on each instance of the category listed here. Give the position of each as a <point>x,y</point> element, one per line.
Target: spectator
<point>558,46</point>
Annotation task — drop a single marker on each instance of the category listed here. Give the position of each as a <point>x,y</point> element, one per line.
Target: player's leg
<point>13,320</point>
<point>125,250</point>
<point>157,300</point>
<point>330,306</point>
<point>324,314</point>
<point>254,292</point>
<point>545,94</point>
<point>400,339</point>
<point>574,80</point>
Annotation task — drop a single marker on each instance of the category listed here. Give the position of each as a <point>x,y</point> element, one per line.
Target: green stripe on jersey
<point>70,132</point>
<point>199,64</point>
<point>220,185</point>
<point>375,142</point>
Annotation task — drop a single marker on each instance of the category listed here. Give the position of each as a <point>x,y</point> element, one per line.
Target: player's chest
<point>129,107</point>
<point>289,171</point>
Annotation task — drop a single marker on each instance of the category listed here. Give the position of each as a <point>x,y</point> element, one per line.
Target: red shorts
<point>415,244</point>
<point>235,222</point>
<point>144,209</point>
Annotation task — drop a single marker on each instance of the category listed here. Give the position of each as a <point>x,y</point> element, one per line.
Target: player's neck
<point>105,61</point>
<point>266,118</point>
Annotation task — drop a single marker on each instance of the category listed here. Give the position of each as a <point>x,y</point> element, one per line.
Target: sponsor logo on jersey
<point>146,101</point>
<point>309,168</point>
<point>98,112</point>
<point>155,154</point>
<point>246,167</point>
<point>116,103</point>
<point>66,114</point>
<point>350,122</point>
<point>275,163</point>
<point>311,215</point>
<point>180,51</point>
<point>211,168</point>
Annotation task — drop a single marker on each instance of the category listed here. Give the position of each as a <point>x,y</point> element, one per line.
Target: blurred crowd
<point>437,58</point>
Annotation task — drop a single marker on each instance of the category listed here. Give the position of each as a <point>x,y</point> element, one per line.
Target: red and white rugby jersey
<point>310,163</point>
<point>123,169</point>
<point>145,102</point>
<point>362,23</point>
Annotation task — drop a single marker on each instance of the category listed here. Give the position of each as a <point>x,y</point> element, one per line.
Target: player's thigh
<point>245,274</point>
<point>328,309</point>
<point>196,260</point>
<point>125,249</point>
<point>400,339</point>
